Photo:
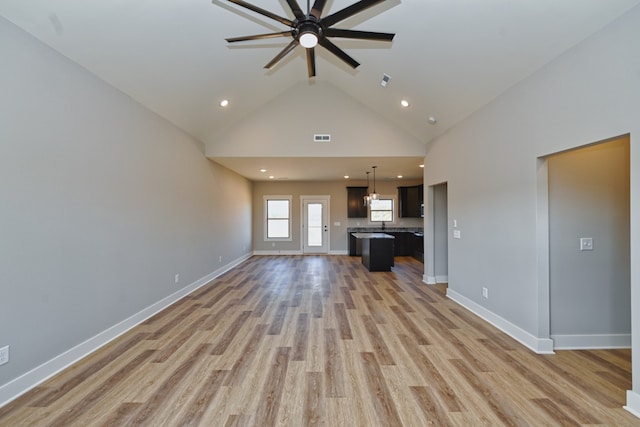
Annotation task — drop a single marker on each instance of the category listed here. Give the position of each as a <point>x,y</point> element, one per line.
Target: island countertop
<point>384,230</point>
<point>372,236</point>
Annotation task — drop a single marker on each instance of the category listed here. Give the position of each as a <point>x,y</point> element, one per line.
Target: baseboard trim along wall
<point>268,253</point>
<point>296,252</point>
<point>36,376</point>
<point>344,252</point>
<point>633,403</point>
<point>538,345</point>
<point>432,280</point>
<point>589,342</point>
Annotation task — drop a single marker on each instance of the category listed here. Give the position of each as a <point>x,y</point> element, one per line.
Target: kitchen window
<point>382,210</point>
<point>277,217</point>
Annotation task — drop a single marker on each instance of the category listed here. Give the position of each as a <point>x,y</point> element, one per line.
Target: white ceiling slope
<point>280,138</point>
<point>448,58</point>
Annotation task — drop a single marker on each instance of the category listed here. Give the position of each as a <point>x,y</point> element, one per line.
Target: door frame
<point>431,250</point>
<point>303,221</point>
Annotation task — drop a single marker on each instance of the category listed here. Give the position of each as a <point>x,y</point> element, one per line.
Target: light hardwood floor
<point>319,340</point>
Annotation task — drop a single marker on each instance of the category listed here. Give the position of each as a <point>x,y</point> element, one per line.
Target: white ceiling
<point>325,168</point>
<point>449,57</point>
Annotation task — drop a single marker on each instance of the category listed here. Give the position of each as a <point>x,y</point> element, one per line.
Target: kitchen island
<point>377,250</point>
<point>408,240</point>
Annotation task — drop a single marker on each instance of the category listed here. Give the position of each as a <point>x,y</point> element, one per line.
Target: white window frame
<point>394,213</point>
<point>265,219</point>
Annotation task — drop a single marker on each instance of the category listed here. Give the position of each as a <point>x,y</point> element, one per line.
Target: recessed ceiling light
<point>346,177</point>
<point>404,103</point>
<point>399,176</point>
<point>271,176</point>
<point>224,103</point>
<point>421,166</point>
<point>263,170</point>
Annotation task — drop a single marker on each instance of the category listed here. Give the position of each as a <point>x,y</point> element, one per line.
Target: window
<point>382,210</point>
<point>277,218</point>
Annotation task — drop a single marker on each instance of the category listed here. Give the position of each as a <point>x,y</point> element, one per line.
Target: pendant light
<point>366,197</point>
<point>374,195</point>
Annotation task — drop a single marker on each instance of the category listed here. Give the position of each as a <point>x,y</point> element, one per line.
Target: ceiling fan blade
<point>311,62</point>
<point>316,10</point>
<point>295,8</point>
<point>349,11</point>
<point>258,37</point>
<point>324,42</point>
<point>261,11</point>
<point>354,34</point>
<point>281,55</point>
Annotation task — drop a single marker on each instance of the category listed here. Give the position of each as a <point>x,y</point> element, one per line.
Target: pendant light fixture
<point>366,197</point>
<point>374,195</point>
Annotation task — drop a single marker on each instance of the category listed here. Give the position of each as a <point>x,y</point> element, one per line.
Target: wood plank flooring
<point>321,341</point>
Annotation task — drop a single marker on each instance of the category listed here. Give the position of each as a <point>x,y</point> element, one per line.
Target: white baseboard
<point>587,342</point>
<point>344,252</point>
<point>296,252</point>
<point>429,280</point>
<point>15,388</point>
<point>276,252</point>
<point>538,345</point>
<point>442,279</point>
<point>633,403</point>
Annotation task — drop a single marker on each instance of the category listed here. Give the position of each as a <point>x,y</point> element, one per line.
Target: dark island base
<point>377,250</point>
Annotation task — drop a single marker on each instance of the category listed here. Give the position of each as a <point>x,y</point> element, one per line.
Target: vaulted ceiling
<point>448,58</point>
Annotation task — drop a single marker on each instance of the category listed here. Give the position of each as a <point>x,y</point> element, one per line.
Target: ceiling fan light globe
<point>308,40</point>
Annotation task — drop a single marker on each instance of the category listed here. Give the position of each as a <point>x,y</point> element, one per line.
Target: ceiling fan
<point>311,29</point>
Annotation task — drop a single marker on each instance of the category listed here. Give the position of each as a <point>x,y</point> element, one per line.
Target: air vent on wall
<point>321,137</point>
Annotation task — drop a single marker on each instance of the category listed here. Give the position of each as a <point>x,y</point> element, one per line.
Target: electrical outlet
<point>4,355</point>
<point>586,243</point>
<point>485,292</point>
<point>220,258</point>
<point>177,278</point>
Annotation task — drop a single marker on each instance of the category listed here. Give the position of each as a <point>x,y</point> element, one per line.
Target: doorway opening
<point>436,235</point>
<point>588,247</point>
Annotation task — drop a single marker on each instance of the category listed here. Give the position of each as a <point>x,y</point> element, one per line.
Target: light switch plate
<point>4,355</point>
<point>586,243</point>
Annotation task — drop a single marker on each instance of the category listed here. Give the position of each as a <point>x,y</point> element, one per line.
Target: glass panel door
<point>315,226</point>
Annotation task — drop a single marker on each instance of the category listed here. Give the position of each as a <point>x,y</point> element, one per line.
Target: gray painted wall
<point>103,202</point>
<point>589,197</point>
<point>490,163</point>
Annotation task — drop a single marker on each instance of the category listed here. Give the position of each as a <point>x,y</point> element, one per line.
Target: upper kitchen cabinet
<point>355,202</point>
<point>410,201</point>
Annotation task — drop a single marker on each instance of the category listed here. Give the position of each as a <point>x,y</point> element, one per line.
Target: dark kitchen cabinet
<point>355,202</point>
<point>410,200</point>
<point>402,243</point>
<point>418,246</point>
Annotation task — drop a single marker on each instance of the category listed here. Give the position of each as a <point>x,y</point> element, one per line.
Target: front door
<point>315,224</point>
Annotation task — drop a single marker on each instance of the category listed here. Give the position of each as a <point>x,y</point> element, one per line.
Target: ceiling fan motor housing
<point>309,25</point>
